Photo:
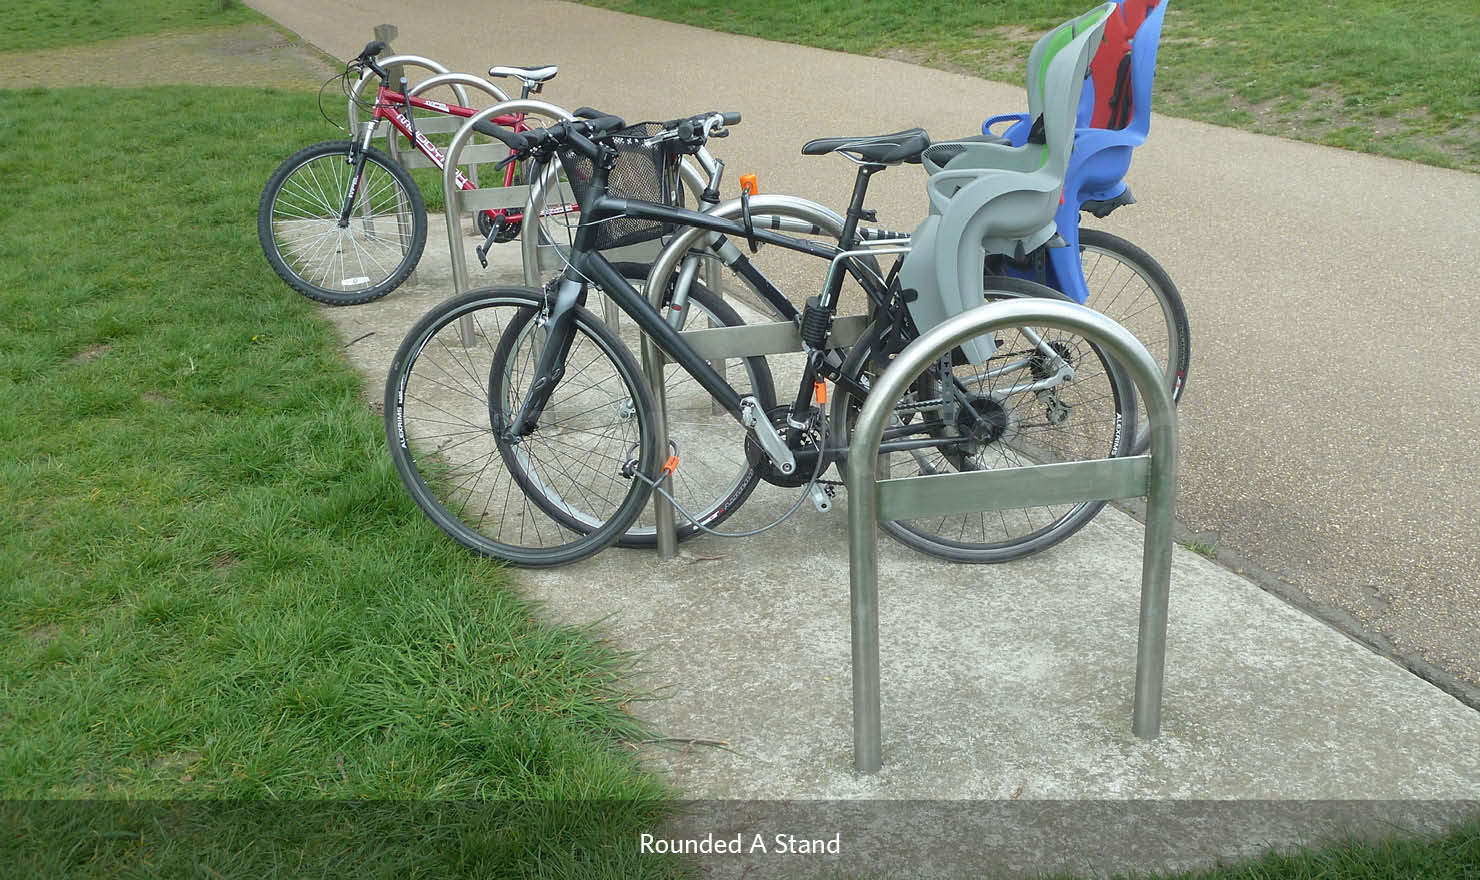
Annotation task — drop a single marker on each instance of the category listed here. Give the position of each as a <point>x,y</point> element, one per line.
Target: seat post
<point>855,206</point>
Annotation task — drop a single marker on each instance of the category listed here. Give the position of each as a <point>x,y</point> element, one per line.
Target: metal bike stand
<point>457,201</point>
<point>395,65</point>
<point>727,342</point>
<point>871,500</point>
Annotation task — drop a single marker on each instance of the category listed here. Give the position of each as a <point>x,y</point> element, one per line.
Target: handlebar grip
<point>373,48</point>
<point>605,123</point>
<point>731,118</point>
<point>587,113</point>
<point>512,139</point>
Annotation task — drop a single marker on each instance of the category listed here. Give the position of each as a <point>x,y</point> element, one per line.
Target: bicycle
<point>343,223</point>
<point>552,455</point>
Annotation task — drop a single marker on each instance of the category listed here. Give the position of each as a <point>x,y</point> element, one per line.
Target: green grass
<point>46,24</point>
<point>215,585</point>
<point>1394,78</point>
<point>1452,856</point>
<point>1202,548</point>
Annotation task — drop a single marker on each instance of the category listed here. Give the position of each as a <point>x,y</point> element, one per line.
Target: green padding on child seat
<point>995,198</point>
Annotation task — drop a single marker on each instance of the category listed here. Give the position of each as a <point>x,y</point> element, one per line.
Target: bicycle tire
<point>440,417</point>
<point>298,225</point>
<point>1122,280</point>
<point>714,476</point>
<point>1098,383</point>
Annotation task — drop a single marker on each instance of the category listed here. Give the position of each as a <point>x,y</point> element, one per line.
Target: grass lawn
<point>1397,78</point>
<point>215,586</point>
<point>33,25</point>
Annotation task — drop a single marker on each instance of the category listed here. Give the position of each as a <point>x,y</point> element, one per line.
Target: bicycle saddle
<point>879,149</point>
<point>528,74</point>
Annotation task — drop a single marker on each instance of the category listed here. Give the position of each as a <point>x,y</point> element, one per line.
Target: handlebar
<point>367,55</point>
<point>579,134</point>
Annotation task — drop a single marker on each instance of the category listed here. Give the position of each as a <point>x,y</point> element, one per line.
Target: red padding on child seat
<point>1104,68</point>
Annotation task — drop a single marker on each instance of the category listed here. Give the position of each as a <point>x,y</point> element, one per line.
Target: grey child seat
<point>995,198</point>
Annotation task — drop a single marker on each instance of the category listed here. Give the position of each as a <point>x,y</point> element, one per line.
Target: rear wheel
<point>1128,286</point>
<point>1044,396</point>
<point>361,259</point>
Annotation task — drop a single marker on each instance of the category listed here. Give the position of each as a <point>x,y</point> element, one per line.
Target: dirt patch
<point>90,354</point>
<point>42,635</point>
<point>999,53</point>
<point>176,764</point>
<point>248,55</point>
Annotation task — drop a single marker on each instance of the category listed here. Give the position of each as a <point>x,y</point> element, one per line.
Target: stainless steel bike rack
<point>414,61</point>
<point>871,500</point>
<point>458,202</point>
<point>718,343</point>
<point>474,154</point>
<point>442,124</point>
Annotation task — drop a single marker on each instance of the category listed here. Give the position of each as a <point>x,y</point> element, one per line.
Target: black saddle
<point>879,149</point>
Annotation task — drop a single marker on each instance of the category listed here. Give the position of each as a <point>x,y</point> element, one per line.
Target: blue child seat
<point>998,198</point>
<point>1101,156</point>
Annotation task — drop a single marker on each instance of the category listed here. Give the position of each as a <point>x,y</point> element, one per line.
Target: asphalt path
<point>1329,425</point>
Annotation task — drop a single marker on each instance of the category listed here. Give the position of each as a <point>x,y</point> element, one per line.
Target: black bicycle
<point>524,427</point>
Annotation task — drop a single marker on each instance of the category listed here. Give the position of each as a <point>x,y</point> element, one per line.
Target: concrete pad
<point>1007,684</point>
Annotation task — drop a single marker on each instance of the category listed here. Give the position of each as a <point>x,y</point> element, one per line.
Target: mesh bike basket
<point>640,173</point>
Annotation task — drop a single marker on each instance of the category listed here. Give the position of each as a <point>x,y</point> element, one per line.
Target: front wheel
<point>1044,396</point>
<point>354,261</point>
<point>455,384</point>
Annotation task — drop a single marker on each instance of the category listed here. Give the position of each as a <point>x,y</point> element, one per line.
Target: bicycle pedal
<point>822,497</point>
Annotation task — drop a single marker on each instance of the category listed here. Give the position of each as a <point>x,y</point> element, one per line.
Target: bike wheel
<point>364,259</point>
<point>1020,408</point>
<point>1128,286</point>
<point>714,476</point>
<point>454,385</point>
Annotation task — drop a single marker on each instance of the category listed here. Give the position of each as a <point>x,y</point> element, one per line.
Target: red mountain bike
<point>343,223</point>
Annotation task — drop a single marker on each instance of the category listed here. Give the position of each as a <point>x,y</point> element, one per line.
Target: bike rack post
<point>457,201</point>
<point>720,343</point>
<point>395,66</point>
<point>871,500</point>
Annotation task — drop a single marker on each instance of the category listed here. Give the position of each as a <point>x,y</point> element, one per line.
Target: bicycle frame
<point>589,265</point>
<point>390,105</point>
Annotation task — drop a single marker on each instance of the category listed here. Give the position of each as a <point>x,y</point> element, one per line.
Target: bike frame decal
<point>426,147</point>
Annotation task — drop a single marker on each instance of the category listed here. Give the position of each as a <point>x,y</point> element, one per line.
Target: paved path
<point>1013,681</point>
<point>1330,420</point>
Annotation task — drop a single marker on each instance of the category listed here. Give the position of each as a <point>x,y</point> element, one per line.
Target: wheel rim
<point>313,245</point>
<point>458,462</point>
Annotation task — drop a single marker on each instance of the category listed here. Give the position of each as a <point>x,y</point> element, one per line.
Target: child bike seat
<point>990,197</point>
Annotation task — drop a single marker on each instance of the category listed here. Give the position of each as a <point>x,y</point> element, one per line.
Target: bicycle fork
<point>357,159</point>
<point>558,324</point>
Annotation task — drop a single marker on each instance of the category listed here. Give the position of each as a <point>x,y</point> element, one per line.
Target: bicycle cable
<point>343,78</point>
<point>806,493</point>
